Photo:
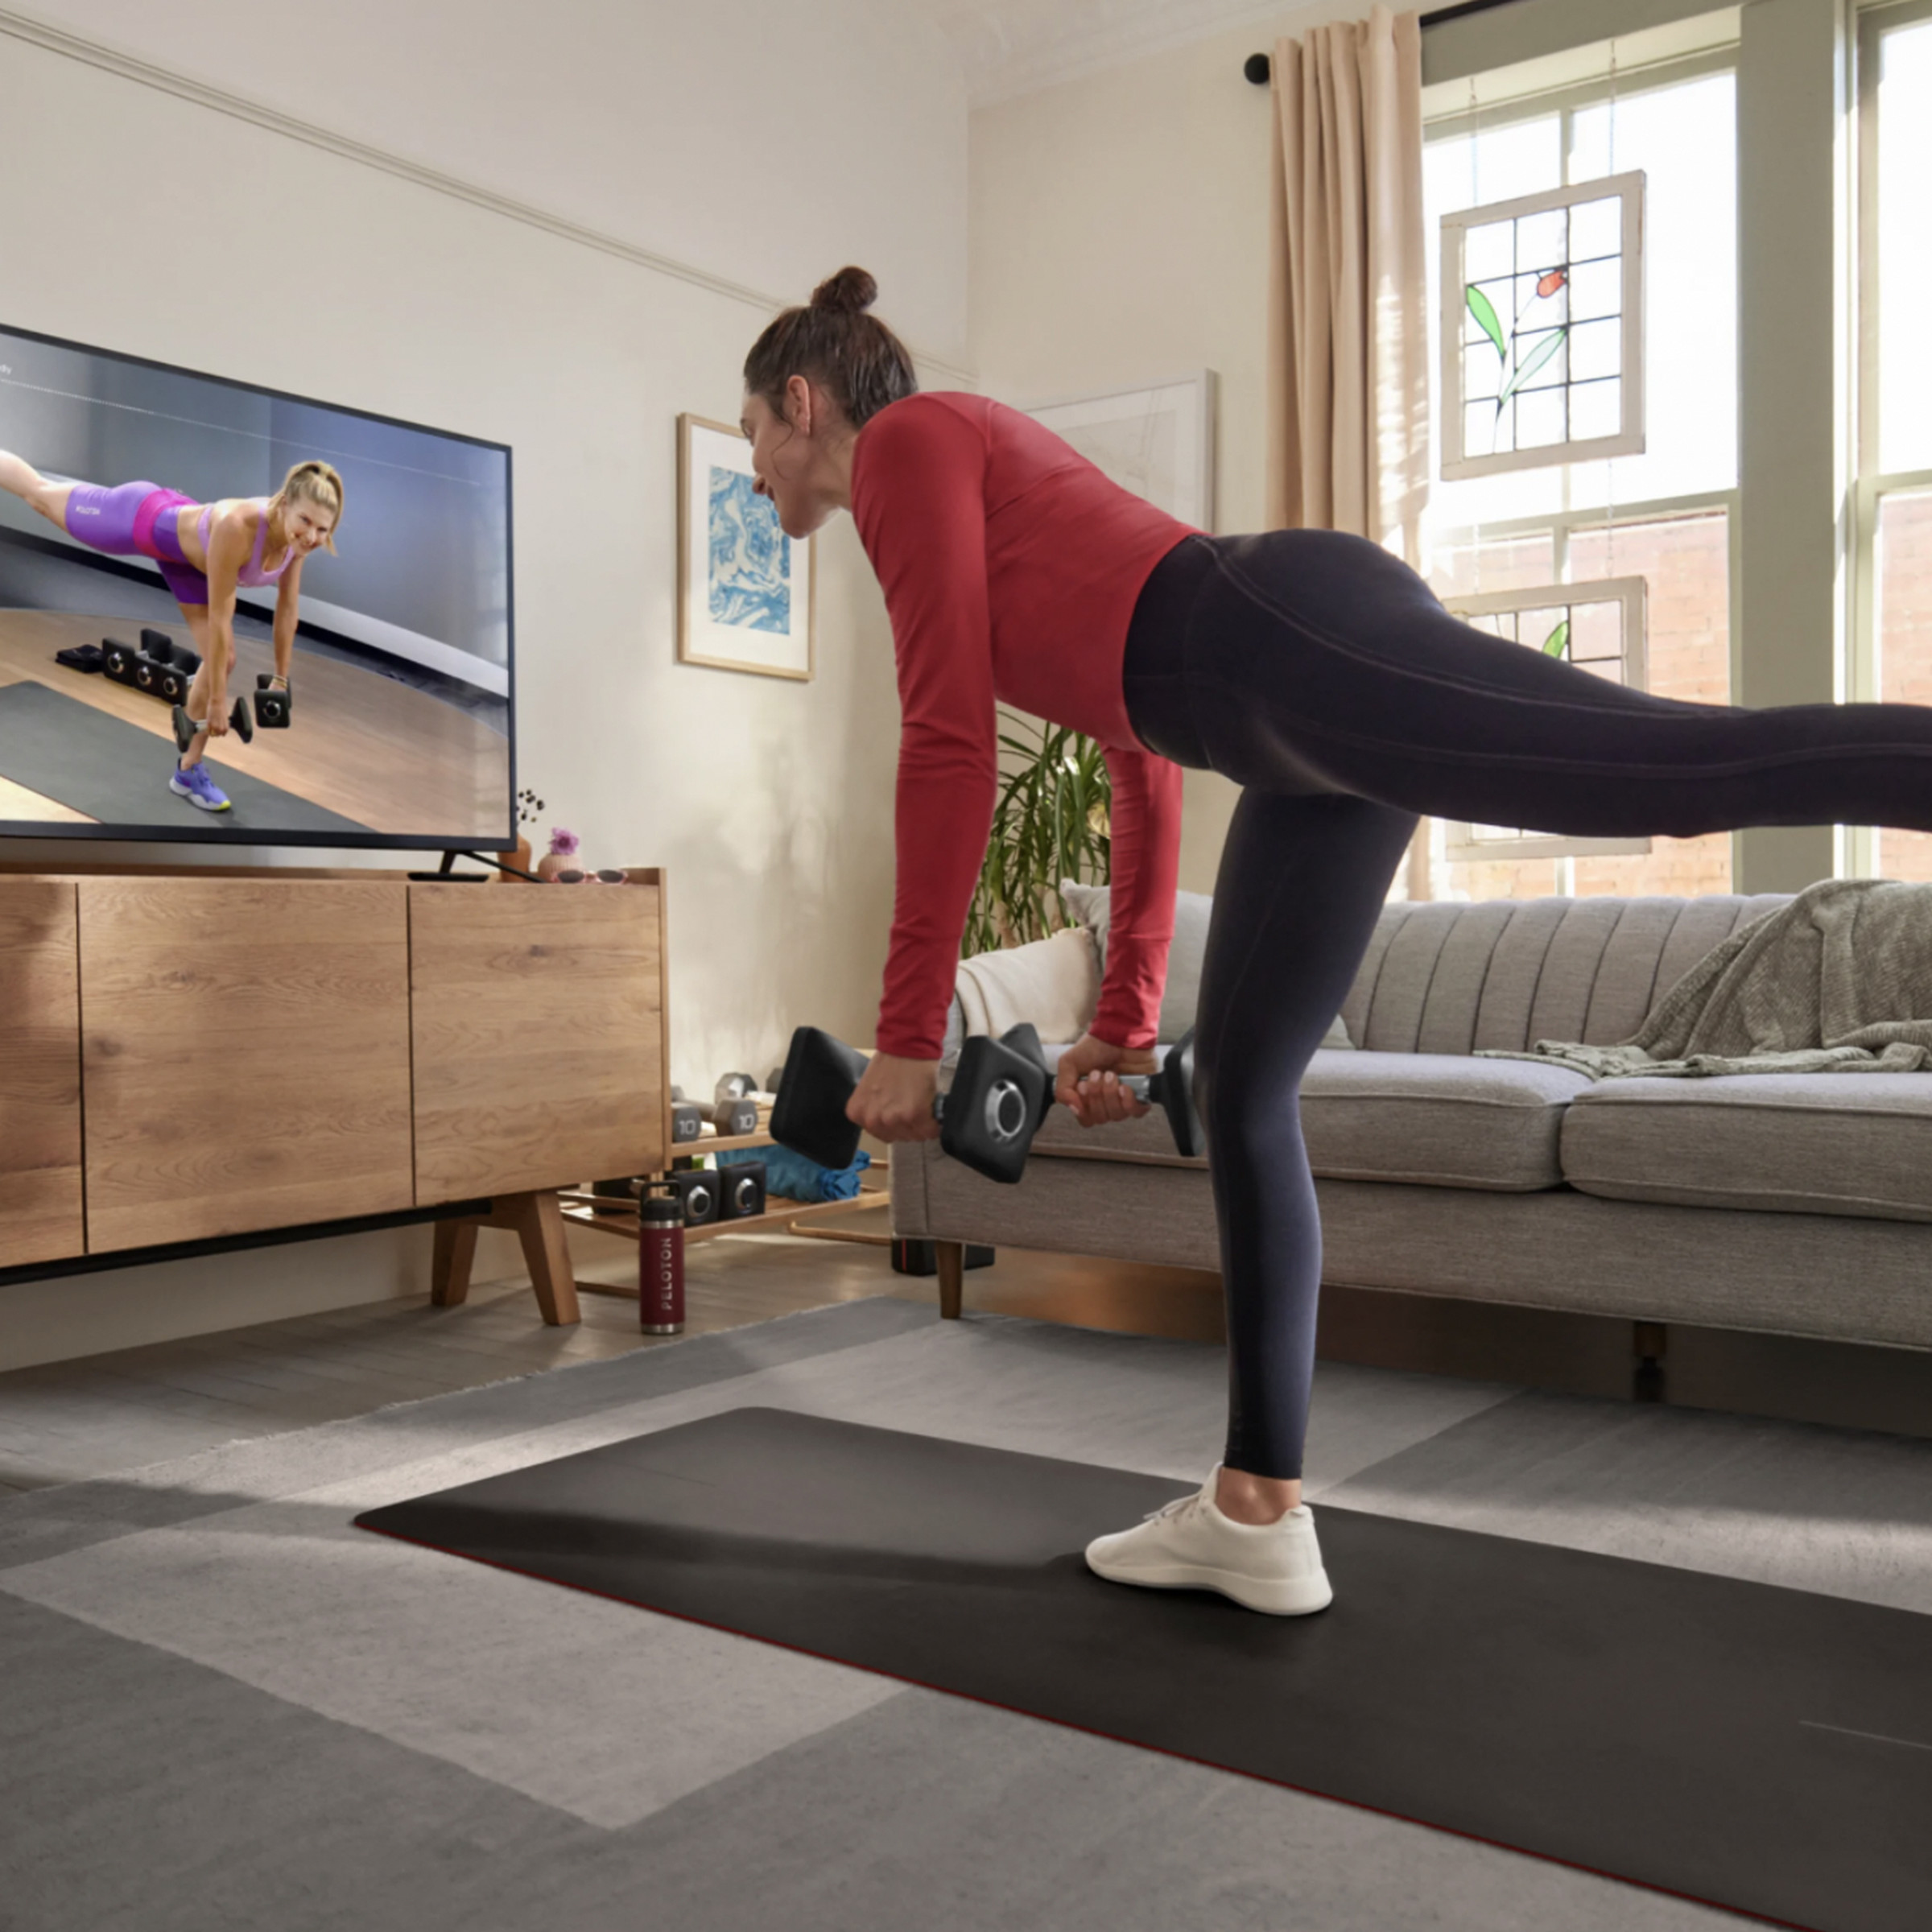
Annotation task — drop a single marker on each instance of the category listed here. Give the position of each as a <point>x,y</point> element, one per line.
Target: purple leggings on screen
<point>127,521</point>
<point>1323,677</point>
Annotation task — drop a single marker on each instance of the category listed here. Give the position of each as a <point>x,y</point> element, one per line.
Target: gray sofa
<point>1795,1204</point>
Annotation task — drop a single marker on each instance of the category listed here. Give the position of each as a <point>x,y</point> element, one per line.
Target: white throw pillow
<point>1089,904</point>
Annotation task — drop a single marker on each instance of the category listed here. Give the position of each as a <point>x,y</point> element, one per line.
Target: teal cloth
<point>796,1178</point>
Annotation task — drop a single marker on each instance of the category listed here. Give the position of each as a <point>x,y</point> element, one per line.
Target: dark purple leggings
<point>1323,677</point>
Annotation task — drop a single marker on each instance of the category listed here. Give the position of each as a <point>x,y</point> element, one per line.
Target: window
<point>1631,536</point>
<point>1542,329</point>
<point>1891,639</point>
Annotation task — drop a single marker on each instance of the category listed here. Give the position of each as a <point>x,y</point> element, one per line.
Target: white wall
<point>140,220</point>
<point>1120,235</point>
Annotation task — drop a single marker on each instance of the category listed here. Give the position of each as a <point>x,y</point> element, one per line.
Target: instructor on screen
<point>206,551</point>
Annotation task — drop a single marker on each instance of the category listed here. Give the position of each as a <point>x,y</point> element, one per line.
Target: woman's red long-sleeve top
<point>1010,566</point>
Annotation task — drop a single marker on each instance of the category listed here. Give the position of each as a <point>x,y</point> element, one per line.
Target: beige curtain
<point>1347,336</point>
<point>1348,406</point>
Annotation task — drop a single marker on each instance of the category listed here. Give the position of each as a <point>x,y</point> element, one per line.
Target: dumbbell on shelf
<point>1001,1090</point>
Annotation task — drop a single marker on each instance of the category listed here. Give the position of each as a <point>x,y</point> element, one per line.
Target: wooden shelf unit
<point>191,1054</point>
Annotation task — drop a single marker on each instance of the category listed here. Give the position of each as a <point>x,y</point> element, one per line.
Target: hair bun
<point>850,290</point>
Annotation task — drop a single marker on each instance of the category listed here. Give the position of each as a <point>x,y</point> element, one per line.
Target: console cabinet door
<point>244,1055</point>
<point>538,1036</point>
<point>39,1073</point>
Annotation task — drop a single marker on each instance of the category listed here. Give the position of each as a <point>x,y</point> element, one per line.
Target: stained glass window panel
<point>1520,347</point>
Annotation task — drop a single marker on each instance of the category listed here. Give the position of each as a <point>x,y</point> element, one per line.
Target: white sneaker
<point>1189,1544</point>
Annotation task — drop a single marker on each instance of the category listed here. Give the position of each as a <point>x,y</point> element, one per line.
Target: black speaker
<point>740,1190</point>
<point>697,1190</point>
<point>687,1121</point>
<point>922,1257</point>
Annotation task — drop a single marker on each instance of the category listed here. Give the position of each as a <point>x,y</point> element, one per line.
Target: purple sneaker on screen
<point>198,788</point>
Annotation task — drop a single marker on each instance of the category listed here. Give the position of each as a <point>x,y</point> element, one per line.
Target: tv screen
<point>368,563</point>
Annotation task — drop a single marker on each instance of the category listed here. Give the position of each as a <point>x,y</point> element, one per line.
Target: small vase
<point>520,858</point>
<point>552,863</point>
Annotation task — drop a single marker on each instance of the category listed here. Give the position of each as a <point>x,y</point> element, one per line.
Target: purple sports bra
<point>251,573</point>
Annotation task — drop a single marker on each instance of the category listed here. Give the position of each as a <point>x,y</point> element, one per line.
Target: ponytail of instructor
<point>1323,677</point>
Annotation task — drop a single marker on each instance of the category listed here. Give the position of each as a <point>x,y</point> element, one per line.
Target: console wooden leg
<point>455,1250</point>
<point>538,1220</point>
<point>951,1258</point>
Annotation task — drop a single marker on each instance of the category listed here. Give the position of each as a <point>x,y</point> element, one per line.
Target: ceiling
<point>1012,47</point>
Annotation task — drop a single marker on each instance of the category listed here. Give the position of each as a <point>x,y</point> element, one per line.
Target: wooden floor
<point>379,752</point>
<point>108,1412</point>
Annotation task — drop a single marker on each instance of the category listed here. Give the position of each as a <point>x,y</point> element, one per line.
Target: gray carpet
<point>227,1708</point>
<point>116,774</point>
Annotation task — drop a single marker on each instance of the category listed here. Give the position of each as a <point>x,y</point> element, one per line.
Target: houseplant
<point>1051,822</point>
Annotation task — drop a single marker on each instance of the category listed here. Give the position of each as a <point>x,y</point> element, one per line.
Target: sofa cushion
<point>1796,1143</point>
<point>1434,1120</point>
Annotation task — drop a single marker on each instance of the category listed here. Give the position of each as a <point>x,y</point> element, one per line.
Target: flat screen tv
<point>397,726</point>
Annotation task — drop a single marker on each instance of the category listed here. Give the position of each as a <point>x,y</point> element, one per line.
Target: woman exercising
<point>1323,677</point>
<point>205,551</point>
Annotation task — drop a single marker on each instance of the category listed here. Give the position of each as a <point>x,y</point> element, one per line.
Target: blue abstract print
<point>750,557</point>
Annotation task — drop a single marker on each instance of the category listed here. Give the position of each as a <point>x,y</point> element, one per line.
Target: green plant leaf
<point>1538,356</point>
<point>1053,794</point>
<point>1484,311</point>
<point>1558,641</point>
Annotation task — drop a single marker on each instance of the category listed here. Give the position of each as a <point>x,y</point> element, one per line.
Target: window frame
<point>1862,670</point>
<point>1459,845</point>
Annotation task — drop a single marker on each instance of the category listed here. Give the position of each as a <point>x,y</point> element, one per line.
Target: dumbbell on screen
<point>1001,1094</point>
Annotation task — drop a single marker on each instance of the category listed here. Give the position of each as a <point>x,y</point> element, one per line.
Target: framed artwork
<point>1599,627</point>
<point>1543,329</point>
<point>745,588</point>
<point>1157,440</point>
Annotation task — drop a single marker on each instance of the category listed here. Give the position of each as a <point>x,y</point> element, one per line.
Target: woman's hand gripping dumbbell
<point>1000,1093</point>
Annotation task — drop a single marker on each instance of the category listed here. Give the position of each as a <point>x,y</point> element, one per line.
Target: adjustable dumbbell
<point>272,707</point>
<point>187,730</point>
<point>1002,1092</point>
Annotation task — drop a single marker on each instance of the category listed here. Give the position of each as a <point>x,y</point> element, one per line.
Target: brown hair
<point>315,482</point>
<point>832,341</point>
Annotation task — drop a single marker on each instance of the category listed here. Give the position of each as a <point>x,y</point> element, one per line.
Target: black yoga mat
<point>94,762</point>
<point>1763,1749</point>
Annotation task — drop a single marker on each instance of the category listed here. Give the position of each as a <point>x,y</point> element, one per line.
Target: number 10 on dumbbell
<point>1001,1094</point>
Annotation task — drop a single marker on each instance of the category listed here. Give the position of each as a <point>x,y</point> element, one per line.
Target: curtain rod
<point>1258,68</point>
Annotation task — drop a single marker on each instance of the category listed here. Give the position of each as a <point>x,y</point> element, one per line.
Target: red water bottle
<point>661,1264</point>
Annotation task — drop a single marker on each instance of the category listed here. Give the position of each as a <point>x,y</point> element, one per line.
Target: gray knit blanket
<point>1838,980</point>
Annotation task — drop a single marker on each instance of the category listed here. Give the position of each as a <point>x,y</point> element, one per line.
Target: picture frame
<point>1543,329</point>
<point>1156,438</point>
<point>1603,620</point>
<point>746,592</point>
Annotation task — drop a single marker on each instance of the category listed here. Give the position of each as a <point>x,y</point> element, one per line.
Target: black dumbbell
<point>698,1194</point>
<point>187,730</point>
<point>148,672</point>
<point>117,660</point>
<point>158,645</point>
<point>272,707</point>
<point>172,685</point>
<point>1002,1092</point>
<point>740,1190</point>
